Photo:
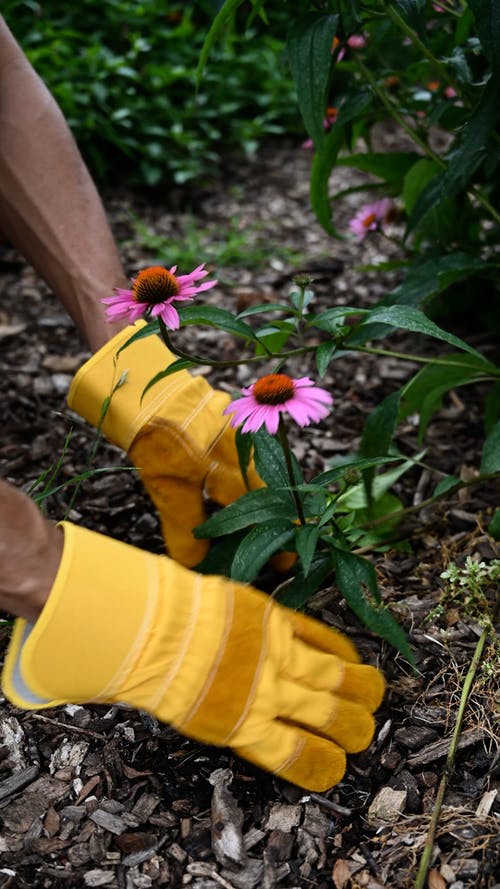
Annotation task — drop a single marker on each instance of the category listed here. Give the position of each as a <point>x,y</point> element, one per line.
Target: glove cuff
<point>127,411</point>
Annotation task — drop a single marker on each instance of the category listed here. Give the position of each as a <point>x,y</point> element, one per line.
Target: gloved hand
<point>176,436</point>
<point>220,661</point>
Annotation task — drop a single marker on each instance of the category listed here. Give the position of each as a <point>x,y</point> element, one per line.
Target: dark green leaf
<point>392,166</point>
<point>335,474</point>
<point>446,484</point>
<point>380,427</point>
<point>424,393</point>
<point>357,582</point>
<point>487,15</point>
<point>324,355</point>
<point>270,461</point>
<point>323,162</point>
<point>256,506</point>
<point>262,308</point>
<point>471,148</point>
<point>408,318</point>
<point>494,525</point>
<point>490,457</point>
<point>215,317</point>
<point>258,546</point>
<point>309,48</point>
<point>244,447</point>
<point>296,593</point>
<point>306,541</point>
<point>179,364</point>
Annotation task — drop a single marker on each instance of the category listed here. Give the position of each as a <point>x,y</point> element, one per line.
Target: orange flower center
<point>369,220</point>
<point>273,389</point>
<point>155,285</point>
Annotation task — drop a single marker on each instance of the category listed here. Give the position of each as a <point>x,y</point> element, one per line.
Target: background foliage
<point>123,73</point>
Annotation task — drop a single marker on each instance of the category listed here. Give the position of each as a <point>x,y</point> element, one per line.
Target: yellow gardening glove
<point>177,436</point>
<point>220,661</point>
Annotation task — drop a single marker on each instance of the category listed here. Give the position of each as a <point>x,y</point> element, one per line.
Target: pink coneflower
<point>266,399</point>
<point>371,217</point>
<point>154,290</point>
<point>356,41</point>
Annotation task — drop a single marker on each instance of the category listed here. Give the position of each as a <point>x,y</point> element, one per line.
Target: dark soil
<point>102,796</point>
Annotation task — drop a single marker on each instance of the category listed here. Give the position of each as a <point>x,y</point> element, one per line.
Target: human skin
<point>51,212</point>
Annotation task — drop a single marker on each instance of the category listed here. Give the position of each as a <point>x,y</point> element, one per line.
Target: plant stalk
<point>449,766</point>
<point>288,460</point>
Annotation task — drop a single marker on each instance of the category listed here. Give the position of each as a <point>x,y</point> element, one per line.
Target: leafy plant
<point>330,520</point>
<point>433,72</point>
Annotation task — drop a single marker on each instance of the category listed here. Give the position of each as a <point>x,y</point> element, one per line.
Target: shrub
<point>123,74</point>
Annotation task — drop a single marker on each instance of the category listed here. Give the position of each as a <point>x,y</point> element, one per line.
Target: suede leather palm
<point>220,661</point>
<point>176,435</point>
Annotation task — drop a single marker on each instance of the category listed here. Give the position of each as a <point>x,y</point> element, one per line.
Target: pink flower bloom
<point>266,399</point>
<point>356,41</point>
<point>371,217</point>
<point>154,290</point>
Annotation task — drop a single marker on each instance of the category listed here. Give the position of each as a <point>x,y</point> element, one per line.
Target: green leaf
<point>446,484</point>
<point>335,474</point>
<point>494,526</point>
<point>380,427</point>
<point>244,447</point>
<point>408,318</point>
<point>298,591</point>
<point>331,319</point>
<point>357,582</point>
<point>215,317</point>
<point>392,166</point>
<point>270,461</point>
<point>309,48</point>
<point>487,16</point>
<point>258,546</point>
<point>490,457</point>
<point>423,395</point>
<point>179,364</point>
<point>306,541</point>
<point>262,308</point>
<point>222,18</point>
<point>324,354</point>
<point>377,435</point>
<point>257,506</point>
<point>322,165</point>
<point>470,150</point>
<point>355,497</point>
<point>149,329</point>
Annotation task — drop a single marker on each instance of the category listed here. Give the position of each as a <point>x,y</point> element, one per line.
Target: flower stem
<point>288,460</point>
<point>450,763</point>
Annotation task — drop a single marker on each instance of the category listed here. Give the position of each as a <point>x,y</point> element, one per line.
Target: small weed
<point>232,245</point>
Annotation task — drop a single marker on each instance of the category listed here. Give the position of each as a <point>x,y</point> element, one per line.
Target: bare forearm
<point>30,552</point>
<point>49,207</point>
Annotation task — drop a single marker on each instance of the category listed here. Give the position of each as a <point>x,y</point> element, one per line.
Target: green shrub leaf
<point>490,457</point>
<point>258,546</point>
<point>256,506</point>
<point>357,582</point>
<point>309,48</point>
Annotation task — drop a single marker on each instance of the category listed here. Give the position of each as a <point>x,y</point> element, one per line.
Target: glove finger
<point>318,670</point>
<point>308,760</point>
<point>346,722</point>
<point>180,504</point>
<point>323,638</point>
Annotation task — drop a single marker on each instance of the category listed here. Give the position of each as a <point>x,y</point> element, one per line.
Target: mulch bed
<point>105,796</point>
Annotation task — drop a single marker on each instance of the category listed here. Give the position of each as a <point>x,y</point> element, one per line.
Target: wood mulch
<point>104,796</point>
